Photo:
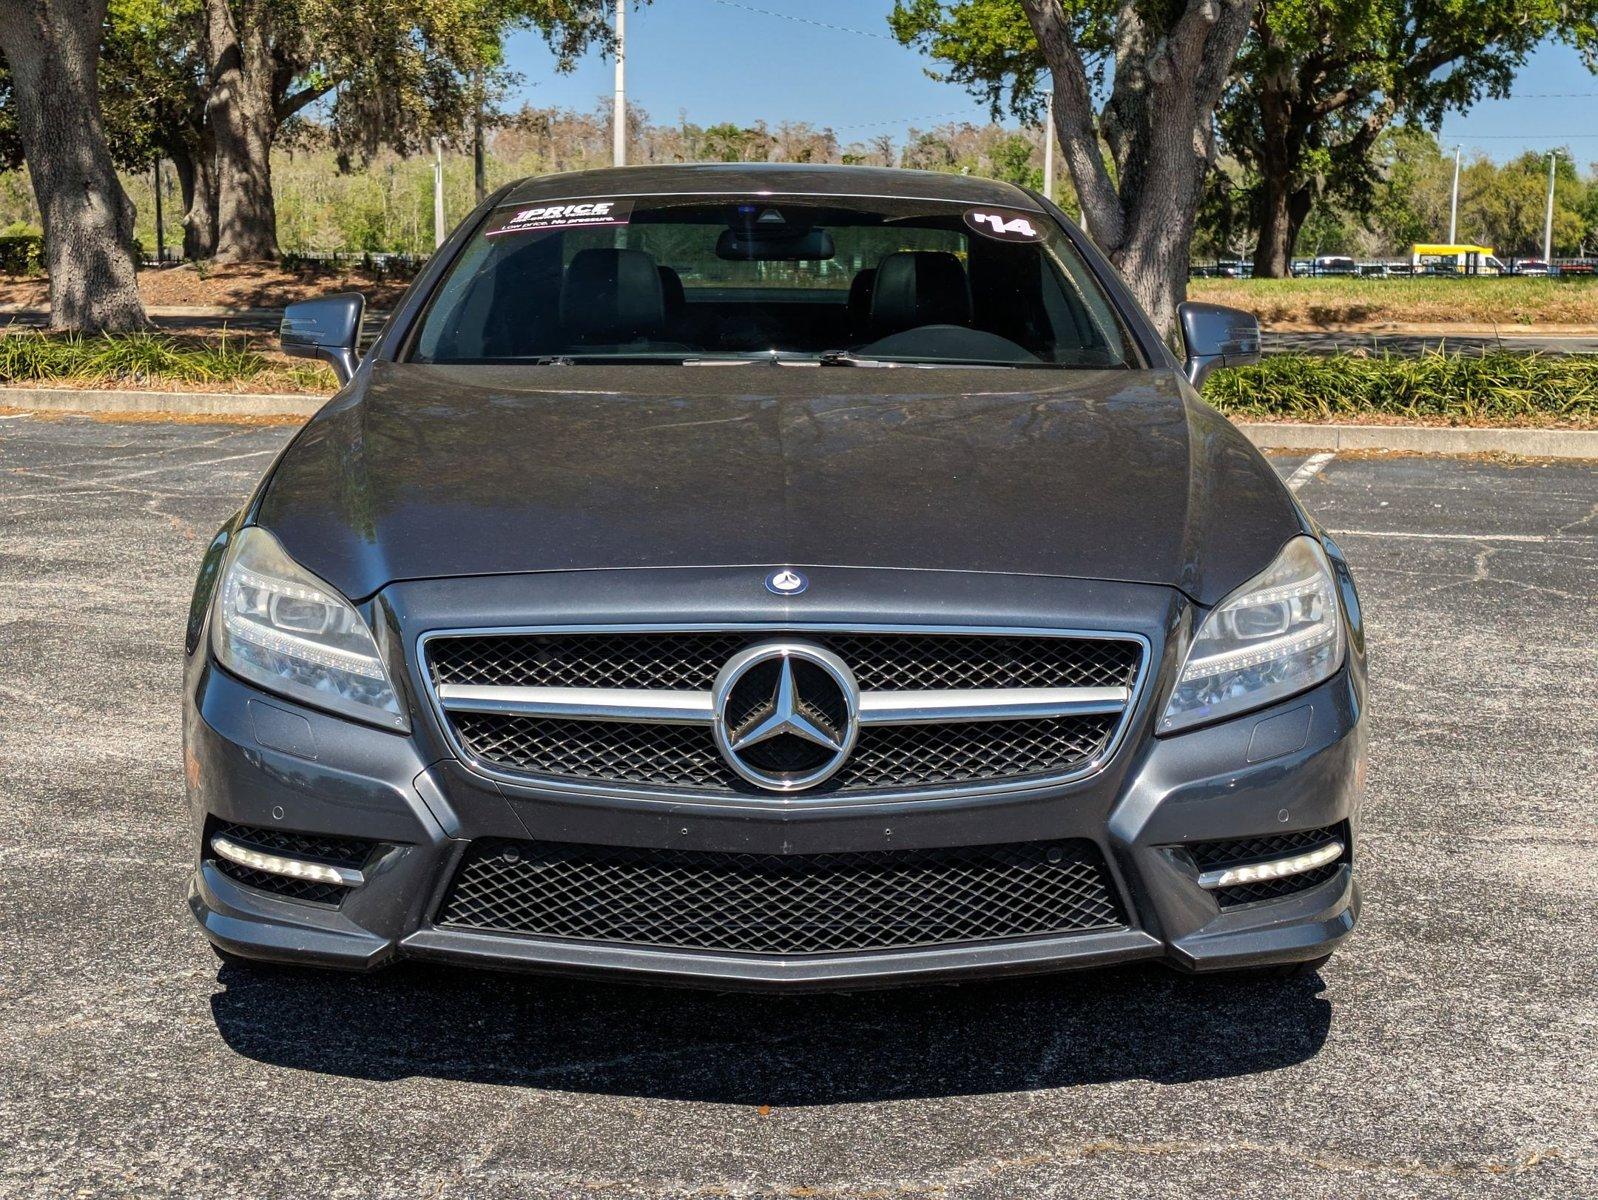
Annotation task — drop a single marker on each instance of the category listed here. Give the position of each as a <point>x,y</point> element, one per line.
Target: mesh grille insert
<point>885,756</point>
<point>689,661</point>
<point>782,904</point>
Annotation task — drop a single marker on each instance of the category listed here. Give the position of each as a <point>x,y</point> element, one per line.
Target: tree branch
<point>1074,122</point>
<point>293,103</point>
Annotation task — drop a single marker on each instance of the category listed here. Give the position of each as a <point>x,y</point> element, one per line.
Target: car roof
<point>788,179</point>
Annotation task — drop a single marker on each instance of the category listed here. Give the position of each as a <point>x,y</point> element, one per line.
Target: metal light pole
<point>160,233</point>
<point>1453,205</point>
<point>618,116</point>
<point>1548,214</point>
<point>1048,144</point>
<point>438,193</point>
<point>479,149</point>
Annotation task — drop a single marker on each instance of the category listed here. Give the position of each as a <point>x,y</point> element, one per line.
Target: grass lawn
<point>1311,303</point>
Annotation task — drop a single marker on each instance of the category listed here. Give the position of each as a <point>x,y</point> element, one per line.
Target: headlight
<point>1278,634</point>
<point>281,627</point>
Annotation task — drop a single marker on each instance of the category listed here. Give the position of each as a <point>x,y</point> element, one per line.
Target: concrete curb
<point>1424,439</point>
<point>1268,435</point>
<point>222,404</point>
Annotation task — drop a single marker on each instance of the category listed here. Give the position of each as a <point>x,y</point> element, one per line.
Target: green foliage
<point>140,359</point>
<point>1500,205</point>
<point>1439,388</point>
<point>151,78</point>
<point>1012,162</point>
<point>10,139</point>
<point>21,253</point>
<point>1505,207</point>
<point>1319,81</point>
<point>985,46</point>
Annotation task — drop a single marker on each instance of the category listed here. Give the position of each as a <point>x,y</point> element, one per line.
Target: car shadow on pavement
<point>785,1051</point>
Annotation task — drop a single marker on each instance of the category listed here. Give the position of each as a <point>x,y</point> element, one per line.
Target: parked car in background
<point>778,576</point>
<point>1334,264</point>
<point>1453,259</point>
<point>1530,266</point>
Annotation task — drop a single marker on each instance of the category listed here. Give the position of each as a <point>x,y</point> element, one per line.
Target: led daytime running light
<point>291,868</point>
<point>1249,656</point>
<point>1278,868</point>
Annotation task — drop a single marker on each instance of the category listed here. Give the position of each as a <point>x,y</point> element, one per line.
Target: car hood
<point>425,472</point>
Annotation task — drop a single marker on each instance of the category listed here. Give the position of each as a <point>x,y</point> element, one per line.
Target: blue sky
<point>720,61</point>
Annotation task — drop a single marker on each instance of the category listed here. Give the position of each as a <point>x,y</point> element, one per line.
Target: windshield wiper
<point>686,358</point>
<point>848,358</point>
<point>572,360</point>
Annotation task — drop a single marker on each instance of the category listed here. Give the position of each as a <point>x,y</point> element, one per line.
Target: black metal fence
<point>1345,268</point>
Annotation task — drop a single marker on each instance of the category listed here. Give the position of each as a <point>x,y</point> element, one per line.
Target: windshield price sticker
<point>562,214</point>
<point>1004,224</point>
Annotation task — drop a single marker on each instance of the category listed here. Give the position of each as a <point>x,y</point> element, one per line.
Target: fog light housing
<point>1276,868</point>
<point>290,868</point>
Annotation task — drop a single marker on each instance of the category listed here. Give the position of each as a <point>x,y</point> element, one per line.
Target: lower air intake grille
<point>1209,856</point>
<point>311,847</point>
<point>782,904</point>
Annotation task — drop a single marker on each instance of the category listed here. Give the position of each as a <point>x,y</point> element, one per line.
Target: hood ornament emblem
<point>786,582</point>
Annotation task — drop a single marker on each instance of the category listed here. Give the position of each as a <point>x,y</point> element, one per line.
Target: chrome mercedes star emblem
<point>786,582</point>
<point>787,714</point>
<point>782,714</point>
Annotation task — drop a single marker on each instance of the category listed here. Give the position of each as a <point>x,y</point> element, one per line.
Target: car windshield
<point>833,281</point>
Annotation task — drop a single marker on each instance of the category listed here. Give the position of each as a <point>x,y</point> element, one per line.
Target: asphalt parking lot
<point>1448,1051</point>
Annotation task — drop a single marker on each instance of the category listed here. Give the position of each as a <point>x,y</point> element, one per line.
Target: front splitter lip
<point>889,968</point>
<point>1303,928</point>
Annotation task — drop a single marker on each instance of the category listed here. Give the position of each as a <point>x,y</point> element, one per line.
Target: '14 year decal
<point>1005,225</point>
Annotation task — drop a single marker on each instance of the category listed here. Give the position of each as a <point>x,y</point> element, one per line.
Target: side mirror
<point>328,328</point>
<point>1216,336</point>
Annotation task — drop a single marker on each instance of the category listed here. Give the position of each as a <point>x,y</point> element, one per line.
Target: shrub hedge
<point>148,358</point>
<point>1434,388</point>
<point>21,253</point>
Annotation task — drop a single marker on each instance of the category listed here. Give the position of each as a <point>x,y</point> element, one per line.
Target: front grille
<point>1209,856</point>
<point>886,662</point>
<point>782,904</point>
<point>312,847</point>
<point>885,757</point>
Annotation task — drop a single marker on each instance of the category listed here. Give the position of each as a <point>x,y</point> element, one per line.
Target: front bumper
<point>258,760</point>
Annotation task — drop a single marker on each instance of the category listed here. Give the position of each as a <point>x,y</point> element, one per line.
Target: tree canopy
<point>1319,81</point>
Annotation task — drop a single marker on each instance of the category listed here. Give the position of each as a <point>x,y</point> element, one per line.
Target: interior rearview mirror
<point>1216,336</point>
<point>760,245</point>
<point>328,328</point>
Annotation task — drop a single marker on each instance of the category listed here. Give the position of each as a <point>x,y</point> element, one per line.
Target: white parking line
<point>1463,537</point>
<point>1308,469</point>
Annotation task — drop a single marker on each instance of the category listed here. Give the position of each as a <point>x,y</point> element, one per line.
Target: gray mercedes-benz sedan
<point>773,576</point>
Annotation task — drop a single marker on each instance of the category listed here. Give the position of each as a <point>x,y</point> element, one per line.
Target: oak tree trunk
<point>53,49</point>
<point>1273,254</point>
<point>244,122</point>
<point>1277,150</point>
<point>196,168</point>
<point>1159,126</point>
<point>1283,213</point>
